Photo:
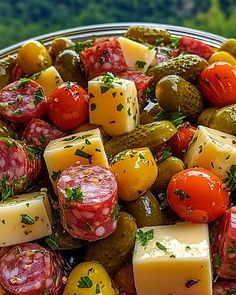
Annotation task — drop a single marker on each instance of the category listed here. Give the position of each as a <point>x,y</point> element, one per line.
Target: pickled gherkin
<point>6,66</point>
<point>149,35</point>
<point>150,135</point>
<point>187,66</point>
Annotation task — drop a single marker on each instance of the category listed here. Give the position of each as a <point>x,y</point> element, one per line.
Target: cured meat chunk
<point>88,201</point>
<point>141,82</point>
<point>19,166</point>
<point>30,269</point>
<point>224,287</point>
<point>22,100</point>
<point>224,248</point>
<point>103,57</point>
<point>40,133</point>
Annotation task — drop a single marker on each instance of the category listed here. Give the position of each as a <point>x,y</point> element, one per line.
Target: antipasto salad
<point>118,166</point>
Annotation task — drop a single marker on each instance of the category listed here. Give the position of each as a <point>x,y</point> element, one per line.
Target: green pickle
<point>150,135</point>
<point>188,66</point>
<point>149,35</point>
<point>6,66</point>
<point>146,211</point>
<point>115,250</point>
<point>205,116</point>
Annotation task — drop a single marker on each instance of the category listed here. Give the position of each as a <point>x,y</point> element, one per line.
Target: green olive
<point>175,94</point>
<point>229,46</point>
<point>6,66</point>
<point>114,251</point>
<point>69,67</point>
<point>6,130</point>
<point>59,44</point>
<point>224,119</point>
<point>166,170</point>
<point>146,211</point>
<point>205,116</point>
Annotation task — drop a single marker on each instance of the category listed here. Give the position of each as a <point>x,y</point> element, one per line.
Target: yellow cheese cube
<point>114,106</point>
<point>137,56</point>
<point>25,218</point>
<point>175,261</point>
<point>49,79</point>
<point>79,148</point>
<point>213,150</point>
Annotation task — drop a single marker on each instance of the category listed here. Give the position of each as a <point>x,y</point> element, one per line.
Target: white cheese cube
<point>114,106</point>
<point>213,150</point>
<point>25,218</point>
<point>79,148</point>
<point>175,261</point>
<point>137,56</point>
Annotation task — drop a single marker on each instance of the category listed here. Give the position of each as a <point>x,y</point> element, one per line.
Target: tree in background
<point>25,19</point>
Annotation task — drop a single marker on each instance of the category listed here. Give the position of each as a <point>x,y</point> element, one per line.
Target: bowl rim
<point>108,29</point>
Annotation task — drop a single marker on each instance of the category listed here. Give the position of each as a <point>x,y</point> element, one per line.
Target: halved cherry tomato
<point>218,84</point>
<point>68,106</point>
<point>180,141</point>
<point>197,195</point>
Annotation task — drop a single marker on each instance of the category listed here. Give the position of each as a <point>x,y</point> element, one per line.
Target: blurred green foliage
<point>22,19</point>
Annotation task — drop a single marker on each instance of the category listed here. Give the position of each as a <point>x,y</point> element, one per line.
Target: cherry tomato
<point>33,57</point>
<point>218,83</point>
<point>180,141</point>
<point>197,195</point>
<point>68,106</point>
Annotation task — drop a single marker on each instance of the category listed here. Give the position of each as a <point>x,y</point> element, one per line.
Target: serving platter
<point>111,29</point>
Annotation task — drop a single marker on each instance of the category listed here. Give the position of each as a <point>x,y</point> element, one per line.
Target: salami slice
<point>103,57</point>
<point>88,201</point>
<point>40,133</point>
<point>30,269</point>
<point>194,46</point>
<point>224,248</point>
<point>224,287</point>
<point>19,165</point>
<point>22,100</point>
<point>141,82</point>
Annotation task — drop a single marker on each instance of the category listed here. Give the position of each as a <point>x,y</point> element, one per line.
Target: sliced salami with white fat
<point>30,269</point>
<point>22,100</point>
<point>88,201</point>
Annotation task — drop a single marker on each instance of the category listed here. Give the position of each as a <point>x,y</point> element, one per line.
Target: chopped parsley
<point>230,180</point>
<point>232,250</point>
<point>93,106</point>
<point>166,153</point>
<point>10,144</point>
<point>7,191</point>
<point>104,89</point>
<point>17,112</point>
<point>52,243</point>
<point>55,175</point>
<point>87,141</point>
<point>97,289</point>
<point>191,282</point>
<point>160,246</point>
<point>85,282</point>
<point>176,118</point>
<point>174,42</point>
<point>83,154</point>
<point>159,41</point>
<point>108,80</point>
<point>23,83</point>
<point>144,237</point>
<point>38,96</point>
<point>119,107</point>
<point>140,64</point>
<point>27,219</point>
<point>74,194</point>
<point>35,151</point>
<point>80,46</point>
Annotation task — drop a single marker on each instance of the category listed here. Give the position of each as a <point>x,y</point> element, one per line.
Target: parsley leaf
<point>55,175</point>
<point>7,191</point>
<point>83,154</point>
<point>230,180</point>
<point>108,80</point>
<point>52,243</point>
<point>176,118</point>
<point>85,282</point>
<point>35,151</point>
<point>140,64</point>
<point>80,46</point>
<point>174,42</point>
<point>160,246</point>
<point>38,96</point>
<point>23,83</point>
<point>144,237</point>
<point>27,219</point>
<point>74,194</point>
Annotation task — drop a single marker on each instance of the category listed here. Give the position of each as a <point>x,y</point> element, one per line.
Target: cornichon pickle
<point>6,129</point>
<point>150,135</point>
<point>149,35</point>
<point>166,170</point>
<point>6,66</point>
<point>205,116</point>
<point>187,66</point>
<point>224,119</point>
<point>114,251</point>
<point>146,211</point>
<point>149,113</point>
<point>175,94</point>
<point>229,46</point>
<point>69,67</point>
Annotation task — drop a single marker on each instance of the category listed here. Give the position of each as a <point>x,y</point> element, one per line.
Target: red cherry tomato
<point>218,83</point>
<point>68,106</point>
<point>197,195</point>
<point>180,141</point>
